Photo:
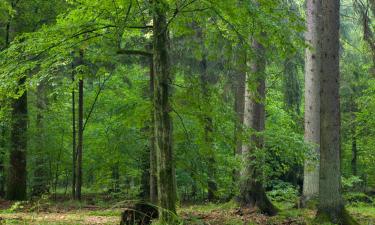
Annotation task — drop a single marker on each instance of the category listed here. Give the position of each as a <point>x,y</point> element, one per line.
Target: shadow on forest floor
<point>70,212</point>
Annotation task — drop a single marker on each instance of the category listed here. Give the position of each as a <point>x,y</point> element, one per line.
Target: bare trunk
<point>40,182</point>
<point>16,185</point>
<point>80,141</point>
<point>331,205</point>
<point>354,139</point>
<point>252,193</point>
<point>74,138</point>
<point>153,171</point>
<point>2,160</point>
<point>163,121</point>
<point>312,100</point>
<point>208,125</point>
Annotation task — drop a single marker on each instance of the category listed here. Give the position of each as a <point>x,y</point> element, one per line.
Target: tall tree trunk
<point>239,89</point>
<point>312,99</point>
<point>207,121</point>
<point>2,160</point>
<point>331,205</point>
<point>40,182</point>
<point>16,185</point>
<point>74,139</point>
<point>252,192</point>
<point>80,141</point>
<point>292,89</point>
<point>163,121</point>
<point>153,170</point>
<point>354,138</point>
<point>239,108</point>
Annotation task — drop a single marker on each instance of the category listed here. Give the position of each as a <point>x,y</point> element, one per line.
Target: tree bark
<point>80,141</point>
<point>207,121</point>
<point>2,160</point>
<point>153,170</point>
<point>40,182</point>
<point>74,138</point>
<point>312,99</point>
<point>252,192</point>
<point>163,121</point>
<point>16,185</point>
<point>354,138</point>
<point>331,205</point>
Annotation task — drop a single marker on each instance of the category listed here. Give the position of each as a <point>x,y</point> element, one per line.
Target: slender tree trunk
<point>252,192</point>
<point>163,121</point>
<point>2,160</point>
<point>40,182</point>
<point>153,170</point>
<point>354,139</point>
<point>331,205</point>
<point>80,141</point>
<point>312,99</point>
<point>16,185</point>
<point>74,136</point>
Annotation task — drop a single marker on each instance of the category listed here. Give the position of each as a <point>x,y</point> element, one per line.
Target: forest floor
<point>45,212</point>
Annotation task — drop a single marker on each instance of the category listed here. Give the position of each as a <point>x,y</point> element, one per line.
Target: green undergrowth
<point>49,212</point>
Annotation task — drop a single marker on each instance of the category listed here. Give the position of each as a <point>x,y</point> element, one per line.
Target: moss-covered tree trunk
<point>312,99</point>
<point>40,178</point>
<point>153,166</point>
<point>331,205</point>
<point>16,180</point>
<point>207,120</point>
<point>252,192</point>
<point>163,121</point>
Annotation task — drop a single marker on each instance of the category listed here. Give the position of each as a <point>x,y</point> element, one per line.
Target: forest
<point>187,112</point>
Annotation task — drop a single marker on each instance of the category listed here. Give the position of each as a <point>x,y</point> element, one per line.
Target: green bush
<point>283,192</point>
<point>357,197</point>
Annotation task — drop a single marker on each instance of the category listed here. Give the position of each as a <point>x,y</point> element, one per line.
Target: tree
<point>208,126</point>
<point>252,192</point>
<point>16,185</point>
<point>331,205</point>
<point>40,176</point>
<point>80,134</point>
<point>74,136</point>
<point>312,99</point>
<point>163,121</point>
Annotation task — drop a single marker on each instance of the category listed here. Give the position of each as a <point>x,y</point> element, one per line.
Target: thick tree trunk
<point>252,193</point>
<point>312,99</point>
<point>239,89</point>
<point>16,185</point>
<point>331,205</point>
<point>40,182</point>
<point>80,141</point>
<point>163,121</point>
<point>153,170</point>
<point>292,89</point>
<point>239,108</point>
